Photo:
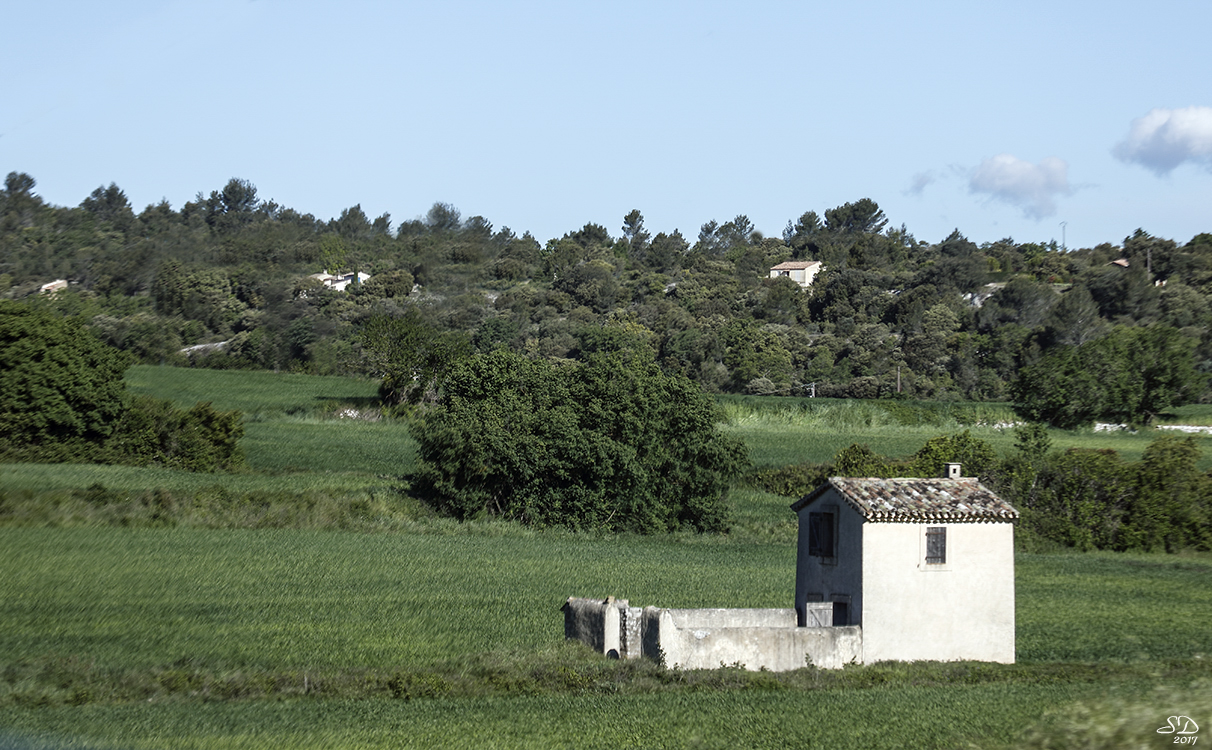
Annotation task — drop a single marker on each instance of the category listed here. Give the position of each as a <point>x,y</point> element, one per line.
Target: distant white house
<point>53,287</point>
<point>340,281</point>
<point>924,566</point>
<point>801,272</point>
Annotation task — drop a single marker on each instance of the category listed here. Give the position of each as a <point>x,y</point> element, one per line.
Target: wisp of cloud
<point>1031,187</point>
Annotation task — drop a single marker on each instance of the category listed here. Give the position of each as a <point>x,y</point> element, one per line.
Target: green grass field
<point>416,631</point>
<point>150,606</point>
<point>904,716</point>
<point>254,393</point>
<point>294,599</point>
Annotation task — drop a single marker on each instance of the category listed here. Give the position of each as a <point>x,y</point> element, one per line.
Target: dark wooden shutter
<point>936,545</point>
<point>820,535</point>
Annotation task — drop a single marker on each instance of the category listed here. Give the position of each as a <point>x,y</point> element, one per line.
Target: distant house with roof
<point>801,272</point>
<point>924,566</point>
<point>339,281</point>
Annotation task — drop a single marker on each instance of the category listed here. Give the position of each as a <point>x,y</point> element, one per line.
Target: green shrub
<point>61,389</point>
<point>154,431</point>
<point>791,481</point>
<point>62,398</point>
<point>611,443</point>
<point>1091,499</point>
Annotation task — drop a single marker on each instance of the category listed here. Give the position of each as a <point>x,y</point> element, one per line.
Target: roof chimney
<point>951,471</point>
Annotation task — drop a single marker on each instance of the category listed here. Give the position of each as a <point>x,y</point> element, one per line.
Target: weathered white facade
<point>924,566</point>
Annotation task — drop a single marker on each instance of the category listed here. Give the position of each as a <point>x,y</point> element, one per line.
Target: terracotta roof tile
<point>963,500</point>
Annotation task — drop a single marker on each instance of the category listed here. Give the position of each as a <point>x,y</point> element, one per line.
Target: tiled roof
<point>963,500</point>
<point>795,265</point>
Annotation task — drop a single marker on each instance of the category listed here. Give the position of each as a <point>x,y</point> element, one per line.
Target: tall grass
<point>65,477</point>
<point>122,637</point>
<point>323,446</point>
<point>307,599</point>
<point>892,717</point>
<point>284,599</point>
<point>853,414</point>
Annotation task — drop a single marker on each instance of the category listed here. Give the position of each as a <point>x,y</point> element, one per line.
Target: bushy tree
<point>609,443</point>
<point>1129,376</point>
<point>62,398</point>
<point>409,354</point>
<point>1172,501</point>
<point>61,389</point>
<point>1091,499</point>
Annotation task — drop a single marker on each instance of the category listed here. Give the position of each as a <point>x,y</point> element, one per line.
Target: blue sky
<point>999,119</point>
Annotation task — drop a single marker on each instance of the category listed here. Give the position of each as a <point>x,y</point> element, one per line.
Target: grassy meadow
<point>306,602</point>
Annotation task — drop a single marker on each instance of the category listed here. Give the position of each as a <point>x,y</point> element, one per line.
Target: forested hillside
<point>888,315</point>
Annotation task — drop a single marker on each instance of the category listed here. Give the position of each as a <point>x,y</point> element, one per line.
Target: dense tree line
<point>890,315</point>
<point>1079,498</point>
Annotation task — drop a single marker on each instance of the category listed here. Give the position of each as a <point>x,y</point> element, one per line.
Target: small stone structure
<point>925,566</point>
<point>709,638</point>
<point>887,570</point>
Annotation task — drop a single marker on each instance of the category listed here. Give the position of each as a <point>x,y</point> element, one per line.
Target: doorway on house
<point>841,613</point>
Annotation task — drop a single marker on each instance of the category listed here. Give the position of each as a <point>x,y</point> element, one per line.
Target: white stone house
<point>801,272</point>
<point>341,280</point>
<point>887,570</point>
<point>924,566</point>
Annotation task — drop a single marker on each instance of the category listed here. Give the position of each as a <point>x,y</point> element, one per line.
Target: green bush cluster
<point>62,399</point>
<point>1082,498</point>
<point>1091,499</point>
<point>610,443</point>
<point>856,460</point>
<point>1129,376</point>
<point>154,431</point>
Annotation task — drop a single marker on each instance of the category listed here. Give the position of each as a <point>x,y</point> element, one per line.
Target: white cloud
<point>1031,187</point>
<point>1165,138</point>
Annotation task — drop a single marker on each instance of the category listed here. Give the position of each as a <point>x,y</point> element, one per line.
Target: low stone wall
<point>710,638</point>
<point>731,618</point>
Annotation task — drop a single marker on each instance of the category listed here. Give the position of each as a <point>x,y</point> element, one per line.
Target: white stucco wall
<point>961,610</point>
<point>752,638</point>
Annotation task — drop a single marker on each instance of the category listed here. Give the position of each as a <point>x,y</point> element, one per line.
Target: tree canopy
<point>61,389</point>
<point>888,315</point>
<point>609,443</point>
<point>1129,376</point>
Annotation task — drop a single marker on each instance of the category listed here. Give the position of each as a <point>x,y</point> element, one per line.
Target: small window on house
<point>821,537</point>
<point>936,545</point>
